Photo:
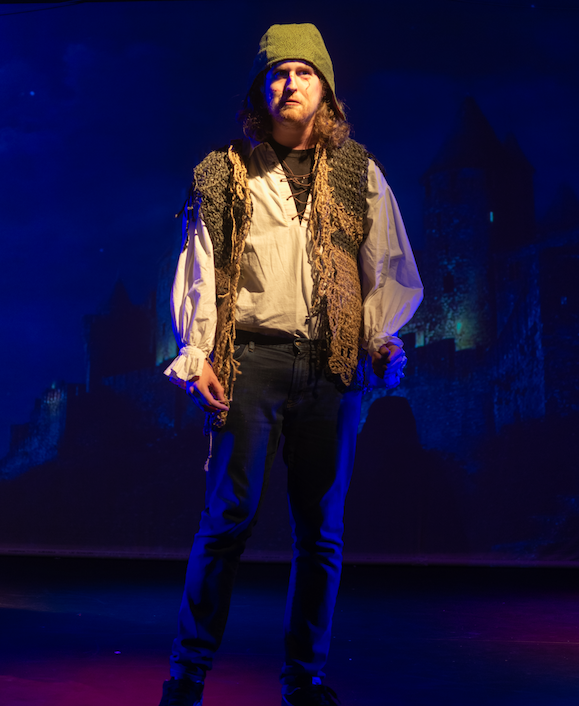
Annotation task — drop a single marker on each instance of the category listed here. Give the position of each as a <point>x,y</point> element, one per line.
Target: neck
<point>294,135</point>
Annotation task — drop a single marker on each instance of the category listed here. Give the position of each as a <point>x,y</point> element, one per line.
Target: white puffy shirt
<point>275,287</point>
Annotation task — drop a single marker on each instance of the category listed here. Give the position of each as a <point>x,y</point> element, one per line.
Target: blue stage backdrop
<point>473,108</point>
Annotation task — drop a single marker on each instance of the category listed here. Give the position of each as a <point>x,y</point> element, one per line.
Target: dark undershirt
<point>298,163</point>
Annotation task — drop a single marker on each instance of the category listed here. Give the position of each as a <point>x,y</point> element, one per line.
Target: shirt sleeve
<point>391,285</point>
<point>193,305</point>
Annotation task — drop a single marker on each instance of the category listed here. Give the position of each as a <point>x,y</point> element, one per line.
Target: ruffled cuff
<point>187,365</point>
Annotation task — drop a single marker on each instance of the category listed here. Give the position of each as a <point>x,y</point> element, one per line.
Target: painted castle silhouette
<point>497,338</point>
<point>495,342</point>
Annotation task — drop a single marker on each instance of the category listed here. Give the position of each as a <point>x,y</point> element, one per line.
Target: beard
<point>292,112</point>
<point>295,113</point>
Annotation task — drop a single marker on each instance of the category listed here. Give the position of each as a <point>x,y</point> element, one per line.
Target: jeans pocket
<point>239,351</point>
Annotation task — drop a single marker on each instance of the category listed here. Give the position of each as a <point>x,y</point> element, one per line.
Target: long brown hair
<point>329,130</point>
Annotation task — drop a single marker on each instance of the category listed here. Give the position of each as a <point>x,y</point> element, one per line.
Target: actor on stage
<point>294,278</point>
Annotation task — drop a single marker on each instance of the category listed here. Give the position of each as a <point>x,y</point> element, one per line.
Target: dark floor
<point>95,632</point>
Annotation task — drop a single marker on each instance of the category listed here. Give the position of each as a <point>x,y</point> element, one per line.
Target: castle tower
<point>37,442</point>
<point>515,225</point>
<point>118,339</point>
<point>478,202</point>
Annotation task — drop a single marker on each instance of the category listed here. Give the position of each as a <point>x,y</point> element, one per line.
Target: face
<point>293,92</point>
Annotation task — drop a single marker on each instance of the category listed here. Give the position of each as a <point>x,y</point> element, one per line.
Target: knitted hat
<point>301,42</point>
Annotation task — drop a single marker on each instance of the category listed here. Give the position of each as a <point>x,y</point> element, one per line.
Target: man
<point>295,271</point>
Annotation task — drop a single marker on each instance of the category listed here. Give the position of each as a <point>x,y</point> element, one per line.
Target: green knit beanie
<point>301,42</point>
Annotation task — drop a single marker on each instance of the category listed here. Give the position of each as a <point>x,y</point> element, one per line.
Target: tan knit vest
<point>336,227</point>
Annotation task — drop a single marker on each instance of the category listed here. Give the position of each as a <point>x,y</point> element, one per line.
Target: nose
<point>290,84</point>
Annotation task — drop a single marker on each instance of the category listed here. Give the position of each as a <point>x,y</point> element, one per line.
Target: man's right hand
<point>207,391</point>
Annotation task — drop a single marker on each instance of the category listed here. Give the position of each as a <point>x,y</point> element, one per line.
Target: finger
<point>216,387</point>
<point>379,364</point>
<point>396,368</point>
<point>397,359</point>
<point>214,403</point>
<point>397,356</point>
<point>217,405</point>
<point>211,402</point>
<point>394,349</point>
<point>218,394</point>
<point>214,409</point>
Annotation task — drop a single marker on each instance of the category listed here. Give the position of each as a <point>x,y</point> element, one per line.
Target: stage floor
<point>90,632</point>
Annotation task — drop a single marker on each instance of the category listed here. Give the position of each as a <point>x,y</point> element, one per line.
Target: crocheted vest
<point>336,228</point>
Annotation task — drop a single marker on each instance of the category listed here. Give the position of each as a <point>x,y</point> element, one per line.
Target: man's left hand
<point>389,357</point>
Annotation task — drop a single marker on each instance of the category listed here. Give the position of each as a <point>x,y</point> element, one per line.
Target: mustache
<point>287,99</point>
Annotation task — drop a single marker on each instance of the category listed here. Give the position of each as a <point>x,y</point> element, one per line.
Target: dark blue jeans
<point>281,389</point>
